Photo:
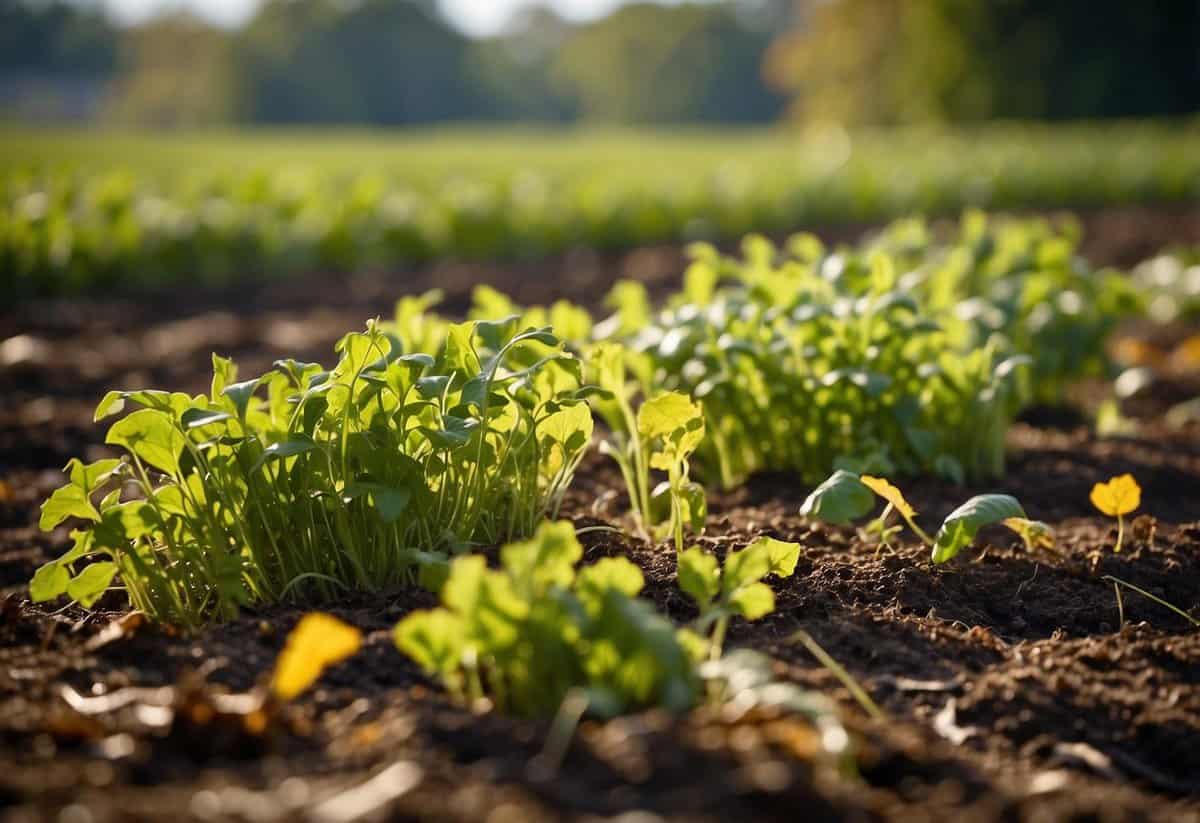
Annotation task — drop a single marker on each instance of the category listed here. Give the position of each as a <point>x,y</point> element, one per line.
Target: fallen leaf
<point>318,641</point>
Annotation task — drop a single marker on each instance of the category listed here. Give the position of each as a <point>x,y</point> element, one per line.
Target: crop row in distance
<point>428,438</point>
<point>119,212</point>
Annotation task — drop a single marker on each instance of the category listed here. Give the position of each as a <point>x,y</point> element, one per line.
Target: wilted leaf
<point>890,493</point>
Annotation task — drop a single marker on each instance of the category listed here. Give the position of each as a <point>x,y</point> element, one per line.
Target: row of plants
<point>70,225</point>
<point>431,437</point>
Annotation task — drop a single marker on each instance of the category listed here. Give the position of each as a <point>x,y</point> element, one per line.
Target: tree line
<point>398,62</point>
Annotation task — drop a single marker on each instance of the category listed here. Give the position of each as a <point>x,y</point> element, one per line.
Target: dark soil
<point>1011,688</point>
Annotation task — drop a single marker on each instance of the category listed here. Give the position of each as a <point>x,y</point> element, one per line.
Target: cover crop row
<point>907,355</point>
<point>102,214</point>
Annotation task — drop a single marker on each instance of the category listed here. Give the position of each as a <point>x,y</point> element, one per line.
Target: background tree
<point>916,60</point>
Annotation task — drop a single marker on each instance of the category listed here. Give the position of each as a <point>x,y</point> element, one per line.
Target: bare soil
<point>1012,690</point>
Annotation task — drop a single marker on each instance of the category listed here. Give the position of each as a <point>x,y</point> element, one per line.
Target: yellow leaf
<point>889,493</point>
<point>318,641</point>
<point>1036,533</point>
<point>1119,496</point>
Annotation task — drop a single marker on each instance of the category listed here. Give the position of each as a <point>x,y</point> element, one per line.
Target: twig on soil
<point>839,671</point>
<point>1158,600</point>
<point>370,796</point>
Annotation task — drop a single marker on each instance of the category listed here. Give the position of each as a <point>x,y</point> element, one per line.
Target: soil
<point>1011,688</point>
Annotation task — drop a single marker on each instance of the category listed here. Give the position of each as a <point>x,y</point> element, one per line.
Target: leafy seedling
<point>540,628</point>
<point>735,590</point>
<point>1034,533</point>
<point>841,498</point>
<point>672,426</point>
<point>1118,497</point>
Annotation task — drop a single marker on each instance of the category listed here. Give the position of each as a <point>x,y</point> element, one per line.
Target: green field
<point>96,211</point>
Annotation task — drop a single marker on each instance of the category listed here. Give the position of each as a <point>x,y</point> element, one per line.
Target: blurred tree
<point>912,60</point>
<point>651,63</point>
<point>175,71</point>
<point>384,62</point>
<point>511,71</point>
<point>55,37</point>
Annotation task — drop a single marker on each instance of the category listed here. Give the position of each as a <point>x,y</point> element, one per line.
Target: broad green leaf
<point>435,639</point>
<point>608,573</point>
<point>546,559</point>
<point>240,393</point>
<point>667,413</point>
<point>49,581</point>
<point>68,501</point>
<point>961,526</point>
<point>87,586</point>
<point>112,403</point>
<point>571,426</point>
<point>841,499</point>
<point>90,476</point>
<point>317,642</point>
<point>699,575</point>
<point>296,444</point>
<point>753,601</point>
<point>782,555</point>
<point>195,418</point>
<point>455,432</point>
<point>152,436</point>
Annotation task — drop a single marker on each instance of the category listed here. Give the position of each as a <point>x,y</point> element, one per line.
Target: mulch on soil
<point>1011,690</point>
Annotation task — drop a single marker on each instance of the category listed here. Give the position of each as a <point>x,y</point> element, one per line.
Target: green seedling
<point>304,482</point>
<point>735,589</point>
<point>840,500</point>
<point>662,435</point>
<point>539,629</point>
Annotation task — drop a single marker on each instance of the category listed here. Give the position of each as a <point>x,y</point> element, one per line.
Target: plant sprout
<point>1117,498</point>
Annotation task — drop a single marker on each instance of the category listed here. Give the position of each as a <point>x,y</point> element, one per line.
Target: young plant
<point>840,500</point>
<point>671,426</point>
<point>1118,497</point>
<point>662,435</point>
<point>367,475</point>
<point>538,628</point>
<point>735,590</point>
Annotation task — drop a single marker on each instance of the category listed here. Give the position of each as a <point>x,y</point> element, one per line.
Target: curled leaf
<point>1035,533</point>
<point>885,489</point>
<point>961,526</point>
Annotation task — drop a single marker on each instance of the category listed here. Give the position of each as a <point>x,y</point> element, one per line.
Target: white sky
<point>477,17</point>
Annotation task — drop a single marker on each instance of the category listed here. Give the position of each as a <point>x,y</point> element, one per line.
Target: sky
<point>475,17</point>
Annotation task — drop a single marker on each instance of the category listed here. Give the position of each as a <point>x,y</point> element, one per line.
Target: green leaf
<point>546,559</point>
<point>390,502</point>
<point>112,403</point>
<point>839,500</point>
<point>667,414</point>
<point>240,394</point>
<point>571,427</point>
<point>90,476</point>
<point>753,601</point>
<point>699,576</point>
<point>608,574</point>
<point>87,586</point>
<point>294,445</point>
<point>195,418</point>
<point>435,639</point>
<point>68,501</point>
<point>455,432</point>
<point>152,436</point>
<point>961,526</point>
<point>782,556</point>
<point>49,581</point>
